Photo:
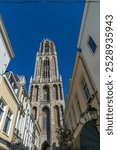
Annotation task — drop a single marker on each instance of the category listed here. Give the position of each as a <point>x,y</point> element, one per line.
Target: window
<point>35,112</point>
<point>92,44</point>
<point>55,90</point>
<point>57,116</point>
<point>47,47</point>
<point>52,47</point>
<point>60,91</point>
<point>46,118</point>
<point>31,92</point>
<point>7,122</point>
<point>54,70</point>
<point>42,47</point>
<point>2,106</point>
<point>46,69</point>
<point>85,88</point>
<point>46,94</point>
<point>12,82</point>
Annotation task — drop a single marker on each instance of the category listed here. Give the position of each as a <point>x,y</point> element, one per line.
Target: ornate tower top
<point>47,47</point>
<point>46,67</point>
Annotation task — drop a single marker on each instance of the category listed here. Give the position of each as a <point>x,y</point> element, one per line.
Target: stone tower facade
<point>46,93</point>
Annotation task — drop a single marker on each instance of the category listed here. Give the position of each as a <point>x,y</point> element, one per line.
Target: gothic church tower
<point>46,93</point>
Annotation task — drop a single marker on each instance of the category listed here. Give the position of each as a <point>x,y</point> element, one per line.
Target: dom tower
<point>46,92</point>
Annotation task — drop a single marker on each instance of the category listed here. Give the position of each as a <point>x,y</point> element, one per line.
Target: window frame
<point>85,88</point>
<point>2,109</point>
<point>90,47</point>
<point>47,47</point>
<point>46,69</point>
<point>6,129</point>
<point>46,93</point>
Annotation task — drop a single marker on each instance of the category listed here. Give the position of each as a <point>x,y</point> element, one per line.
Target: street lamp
<point>92,113</point>
<point>89,114</point>
<point>83,119</point>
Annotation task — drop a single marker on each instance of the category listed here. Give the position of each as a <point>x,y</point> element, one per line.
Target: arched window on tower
<point>37,70</point>
<point>62,110</point>
<point>40,66</point>
<point>36,92</point>
<point>46,118</point>
<point>45,146</point>
<point>35,112</point>
<point>62,113</point>
<point>31,92</point>
<point>55,91</point>
<point>60,90</point>
<point>57,116</point>
<point>46,69</point>
<point>54,70</point>
<point>52,47</point>
<point>47,47</point>
<point>46,93</point>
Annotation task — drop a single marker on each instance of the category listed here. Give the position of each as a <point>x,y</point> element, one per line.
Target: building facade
<point>89,39</point>
<point>82,112</point>
<point>8,91</point>
<point>46,93</point>
<point>8,109</point>
<point>82,108</point>
<point>25,132</point>
<point>6,51</point>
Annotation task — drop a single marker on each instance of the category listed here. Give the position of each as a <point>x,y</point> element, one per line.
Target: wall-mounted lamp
<point>89,114</point>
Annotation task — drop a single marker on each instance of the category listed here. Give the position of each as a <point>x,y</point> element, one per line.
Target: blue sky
<point>27,24</point>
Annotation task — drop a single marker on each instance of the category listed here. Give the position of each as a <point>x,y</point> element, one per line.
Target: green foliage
<point>65,138</point>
